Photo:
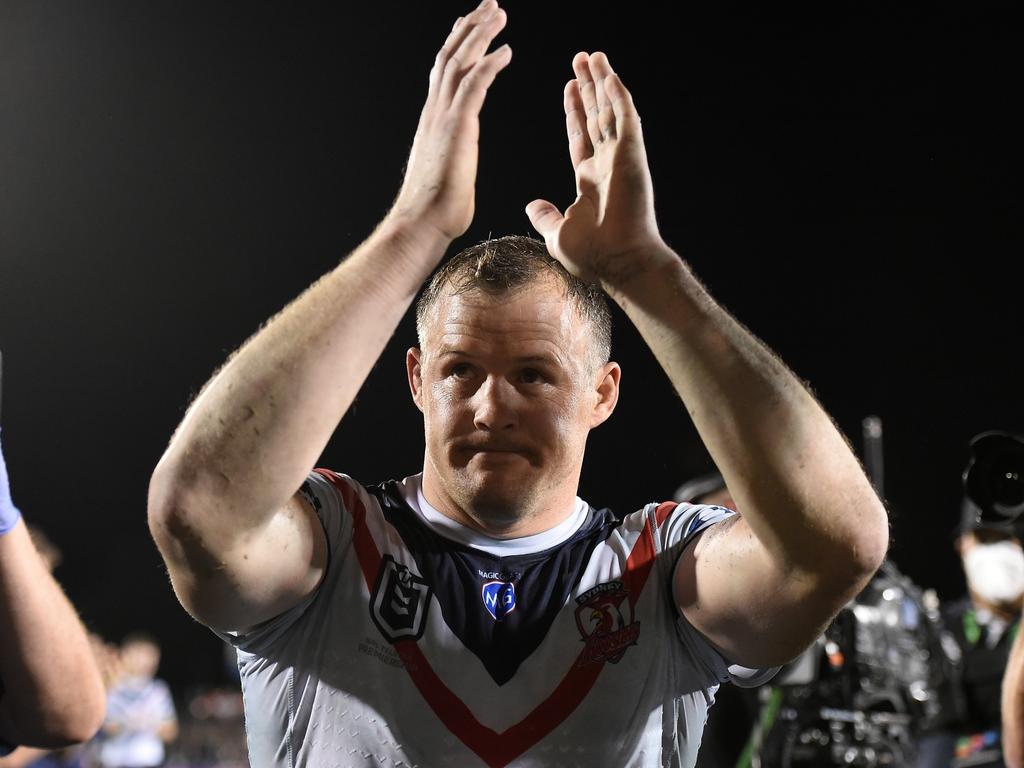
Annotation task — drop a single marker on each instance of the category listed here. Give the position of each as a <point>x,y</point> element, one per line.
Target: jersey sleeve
<point>683,525</point>
<point>321,492</point>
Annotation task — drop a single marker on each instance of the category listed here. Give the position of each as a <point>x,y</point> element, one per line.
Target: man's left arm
<point>1013,706</point>
<point>762,586</point>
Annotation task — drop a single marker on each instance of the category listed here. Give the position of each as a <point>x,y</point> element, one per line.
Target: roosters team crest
<point>604,617</point>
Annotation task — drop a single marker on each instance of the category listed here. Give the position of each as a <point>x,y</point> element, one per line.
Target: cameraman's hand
<point>440,178</point>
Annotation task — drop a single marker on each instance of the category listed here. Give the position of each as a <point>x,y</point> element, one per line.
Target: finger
<point>546,219</point>
<point>470,52</point>
<point>601,69</point>
<point>580,147</point>
<point>627,119</point>
<point>462,27</point>
<point>581,66</point>
<point>473,86</point>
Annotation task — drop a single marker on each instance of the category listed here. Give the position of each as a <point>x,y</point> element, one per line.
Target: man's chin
<point>501,502</point>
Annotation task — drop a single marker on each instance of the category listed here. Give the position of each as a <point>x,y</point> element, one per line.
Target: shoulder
<point>670,524</point>
<point>681,523</point>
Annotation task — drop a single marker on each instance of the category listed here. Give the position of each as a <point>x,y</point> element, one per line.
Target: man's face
<point>509,390</point>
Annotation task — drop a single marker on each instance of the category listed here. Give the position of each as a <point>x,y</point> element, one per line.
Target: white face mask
<point>995,572</point>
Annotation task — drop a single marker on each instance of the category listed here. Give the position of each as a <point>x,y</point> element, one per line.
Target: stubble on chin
<point>499,507</point>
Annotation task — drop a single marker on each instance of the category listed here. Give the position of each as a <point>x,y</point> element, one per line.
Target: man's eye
<point>531,376</point>
<point>460,371</point>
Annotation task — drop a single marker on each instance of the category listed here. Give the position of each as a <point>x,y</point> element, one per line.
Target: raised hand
<point>610,229</point>
<point>440,178</point>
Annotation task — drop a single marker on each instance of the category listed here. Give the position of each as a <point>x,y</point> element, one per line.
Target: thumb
<point>545,217</point>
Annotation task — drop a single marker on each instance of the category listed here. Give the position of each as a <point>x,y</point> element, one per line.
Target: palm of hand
<point>612,220</point>
<point>611,215</point>
<point>440,178</point>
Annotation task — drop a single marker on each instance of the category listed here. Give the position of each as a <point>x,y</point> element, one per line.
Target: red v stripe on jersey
<point>495,748</point>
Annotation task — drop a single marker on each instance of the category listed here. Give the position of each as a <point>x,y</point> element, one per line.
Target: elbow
<point>83,723</point>
<point>86,710</point>
<point>172,493</point>
<point>861,551</point>
<point>191,542</point>
<point>74,720</point>
<point>872,542</point>
<point>165,486</point>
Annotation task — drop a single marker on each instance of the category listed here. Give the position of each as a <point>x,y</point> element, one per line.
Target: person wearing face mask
<point>980,631</point>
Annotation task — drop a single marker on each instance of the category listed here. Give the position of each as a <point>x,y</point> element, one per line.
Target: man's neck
<point>559,505</point>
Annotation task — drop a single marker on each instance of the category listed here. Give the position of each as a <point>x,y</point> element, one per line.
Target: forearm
<point>21,757</point>
<point>254,433</point>
<point>1013,706</point>
<point>53,692</point>
<point>801,490</point>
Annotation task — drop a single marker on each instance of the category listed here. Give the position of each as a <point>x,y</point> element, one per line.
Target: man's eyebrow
<point>449,351</point>
<point>446,350</point>
<point>537,359</point>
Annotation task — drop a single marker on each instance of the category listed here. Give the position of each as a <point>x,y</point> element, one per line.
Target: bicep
<point>755,612</point>
<point>239,579</point>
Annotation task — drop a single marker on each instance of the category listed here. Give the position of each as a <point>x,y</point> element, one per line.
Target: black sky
<point>171,174</point>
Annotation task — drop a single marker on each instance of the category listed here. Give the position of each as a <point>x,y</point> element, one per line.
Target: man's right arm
<point>240,544</point>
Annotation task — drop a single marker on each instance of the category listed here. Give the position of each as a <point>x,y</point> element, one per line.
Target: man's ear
<point>413,356</point>
<point>607,391</point>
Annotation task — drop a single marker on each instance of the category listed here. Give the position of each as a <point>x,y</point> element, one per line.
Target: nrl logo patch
<point>399,603</point>
<point>604,617</point>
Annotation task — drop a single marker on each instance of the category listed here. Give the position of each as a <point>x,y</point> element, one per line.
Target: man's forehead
<point>540,302</point>
<point>538,319</point>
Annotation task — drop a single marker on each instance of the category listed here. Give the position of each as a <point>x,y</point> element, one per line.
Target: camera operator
<point>983,624</point>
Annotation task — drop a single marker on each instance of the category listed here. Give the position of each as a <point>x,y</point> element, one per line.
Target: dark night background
<point>171,174</point>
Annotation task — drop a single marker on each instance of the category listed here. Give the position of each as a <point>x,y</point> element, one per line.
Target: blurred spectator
<point>140,711</point>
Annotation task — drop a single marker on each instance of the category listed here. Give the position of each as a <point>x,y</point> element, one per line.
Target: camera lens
<point>994,479</point>
<point>1006,486</point>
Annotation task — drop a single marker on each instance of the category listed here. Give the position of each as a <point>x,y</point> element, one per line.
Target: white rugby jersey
<point>428,644</point>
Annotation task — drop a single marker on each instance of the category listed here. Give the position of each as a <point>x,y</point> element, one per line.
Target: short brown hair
<point>505,264</point>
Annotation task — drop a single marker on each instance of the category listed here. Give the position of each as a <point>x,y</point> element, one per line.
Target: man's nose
<point>494,405</point>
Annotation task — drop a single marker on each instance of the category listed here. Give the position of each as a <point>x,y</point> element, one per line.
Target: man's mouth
<point>495,450</point>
